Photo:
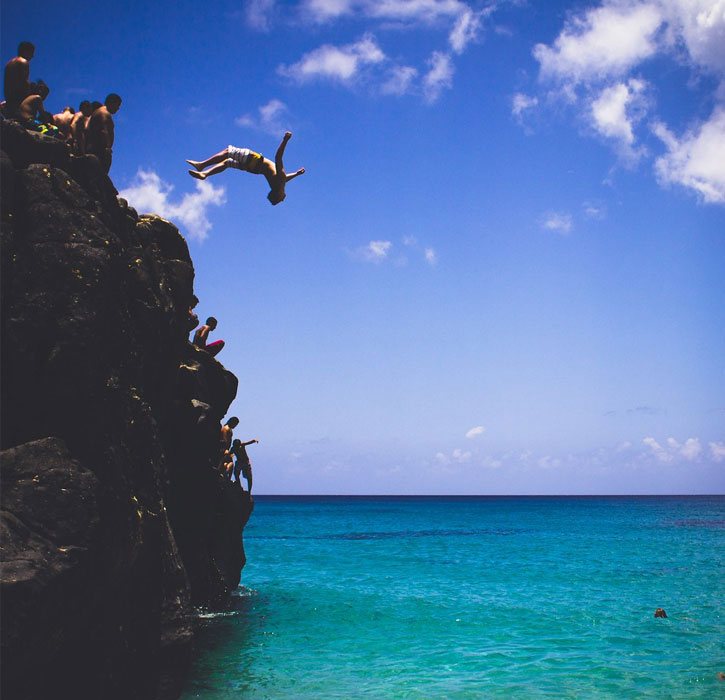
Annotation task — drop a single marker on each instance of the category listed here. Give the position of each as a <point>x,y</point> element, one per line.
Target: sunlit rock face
<point>114,520</point>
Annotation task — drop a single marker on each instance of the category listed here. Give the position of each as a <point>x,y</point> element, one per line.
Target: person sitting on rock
<point>100,131</point>
<point>63,121</point>
<point>201,335</point>
<point>242,465</point>
<point>225,439</point>
<point>244,159</point>
<point>78,127</point>
<point>33,115</point>
<point>17,78</point>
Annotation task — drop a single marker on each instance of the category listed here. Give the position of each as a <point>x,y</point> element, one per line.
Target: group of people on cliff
<point>233,459</point>
<point>88,130</point>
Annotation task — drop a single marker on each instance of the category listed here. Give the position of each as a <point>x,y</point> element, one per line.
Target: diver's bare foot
<point>197,175</point>
<point>195,164</point>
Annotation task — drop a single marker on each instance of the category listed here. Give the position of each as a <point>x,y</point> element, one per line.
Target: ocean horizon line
<point>390,496</point>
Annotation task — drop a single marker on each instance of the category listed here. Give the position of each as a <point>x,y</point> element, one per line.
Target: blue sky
<point>503,269</point>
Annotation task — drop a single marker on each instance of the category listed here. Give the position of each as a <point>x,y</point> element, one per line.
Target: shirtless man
<point>32,106</point>
<point>99,135</point>
<point>202,334</point>
<point>255,163</point>
<point>225,440</point>
<point>17,77</point>
<point>63,121</point>
<point>243,465</point>
<point>78,127</point>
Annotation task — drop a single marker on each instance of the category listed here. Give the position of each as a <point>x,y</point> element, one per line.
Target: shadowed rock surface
<point>114,520</point>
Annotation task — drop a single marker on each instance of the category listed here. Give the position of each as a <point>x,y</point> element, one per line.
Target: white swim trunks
<point>244,159</point>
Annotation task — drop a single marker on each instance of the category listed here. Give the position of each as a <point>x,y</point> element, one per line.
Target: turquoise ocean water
<point>467,598</point>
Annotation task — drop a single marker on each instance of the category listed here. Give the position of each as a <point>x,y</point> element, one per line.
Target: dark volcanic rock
<point>114,519</point>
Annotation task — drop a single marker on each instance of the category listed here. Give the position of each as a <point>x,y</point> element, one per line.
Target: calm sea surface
<point>468,598</point>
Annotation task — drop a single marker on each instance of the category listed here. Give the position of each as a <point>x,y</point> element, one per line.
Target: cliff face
<point>114,521</point>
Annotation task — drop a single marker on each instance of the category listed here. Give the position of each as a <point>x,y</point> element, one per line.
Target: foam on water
<point>463,599</point>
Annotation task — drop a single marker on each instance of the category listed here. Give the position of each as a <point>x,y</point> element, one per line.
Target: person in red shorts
<point>202,334</point>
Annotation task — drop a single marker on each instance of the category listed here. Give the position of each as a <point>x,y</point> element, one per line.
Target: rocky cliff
<point>114,520</point>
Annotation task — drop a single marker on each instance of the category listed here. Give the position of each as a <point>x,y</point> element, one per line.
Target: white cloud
<point>426,11</point>
<point>690,451</point>
<point>556,221</point>
<point>460,456</point>
<point>430,256</point>
<point>258,14</point>
<point>148,193</point>
<point>701,26</point>
<point>474,432</point>
<point>594,211</point>
<point>400,80</point>
<point>341,63</point>
<point>606,41</point>
<point>521,103</point>
<point>413,10</point>
<point>324,10</point>
<point>465,30</point>
<point>717,451</point>
<point>375,251</point>
<point>269,118</point>
<point>657,449</point>
<point>439,76</point>
<point>614,112</point>
<point>697,160</point>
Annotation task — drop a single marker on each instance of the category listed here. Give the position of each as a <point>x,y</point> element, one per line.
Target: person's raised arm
<point>280,153</point>
<point>287,178</point>
<point>251,442</point>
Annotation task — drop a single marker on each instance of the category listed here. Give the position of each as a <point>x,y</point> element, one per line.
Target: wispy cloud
<point>399,81</point>
<point>521,103</point>
<point>268,118</point>
<point>475,432</point>
<point>259,13</point>
<point>717,451</point>
<point>148,193</point>
<point>465,30</point>
<point>439,76</point>
<point>430,256</point>
<point>375,251</point>
<point>557,221</point>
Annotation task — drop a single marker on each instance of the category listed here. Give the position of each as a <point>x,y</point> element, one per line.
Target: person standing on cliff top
<point>78,127</point>
<point>243,466</point>
<point>225,440</point>
<point>17,77</point>
<point>63,121</point>
<point>201,335</point>
<point>100,132</point>
<point>255,163</point>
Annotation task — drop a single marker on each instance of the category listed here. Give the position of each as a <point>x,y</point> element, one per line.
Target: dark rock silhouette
<point>114,520</point>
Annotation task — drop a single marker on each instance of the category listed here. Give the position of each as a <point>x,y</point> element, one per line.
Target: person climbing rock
<point>242,465</point>
<point>252,162</point>
<point>225,440</point>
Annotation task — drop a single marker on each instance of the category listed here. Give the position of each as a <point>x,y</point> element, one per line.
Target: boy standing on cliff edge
<point>255,163</point>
